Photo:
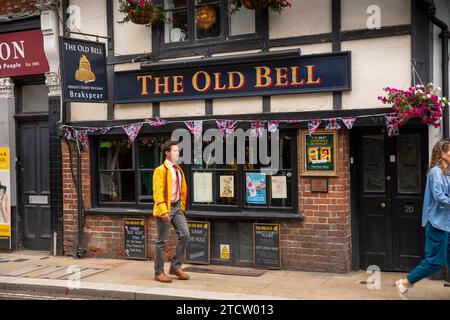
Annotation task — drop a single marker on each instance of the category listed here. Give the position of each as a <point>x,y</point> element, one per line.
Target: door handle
<point>388,178</point>
<point>383,205</point>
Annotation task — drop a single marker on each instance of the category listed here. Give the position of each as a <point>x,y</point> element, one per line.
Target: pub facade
<point>348,190</point>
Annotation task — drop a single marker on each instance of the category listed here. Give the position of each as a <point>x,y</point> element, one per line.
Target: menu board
<point>197,249</point>
<point>134,235</point>
<point>266,241</point>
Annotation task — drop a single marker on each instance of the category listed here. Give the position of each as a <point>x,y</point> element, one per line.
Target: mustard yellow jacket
<point>162,190</point>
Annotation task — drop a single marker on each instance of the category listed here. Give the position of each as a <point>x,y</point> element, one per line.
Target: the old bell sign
<point>83,65</point>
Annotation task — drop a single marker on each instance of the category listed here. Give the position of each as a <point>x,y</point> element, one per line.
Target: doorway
<point>34,185</point>
<point>390,182</point>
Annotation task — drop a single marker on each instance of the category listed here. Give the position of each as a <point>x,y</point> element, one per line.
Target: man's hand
<point>165,217</point>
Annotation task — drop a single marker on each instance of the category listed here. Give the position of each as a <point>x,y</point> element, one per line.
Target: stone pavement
<point>131,279</point>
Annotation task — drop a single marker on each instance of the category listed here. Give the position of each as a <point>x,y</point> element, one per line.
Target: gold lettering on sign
<point>195,81</point>
<point>263,75</point>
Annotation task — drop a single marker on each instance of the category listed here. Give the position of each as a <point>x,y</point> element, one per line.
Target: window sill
<point>192,214</point>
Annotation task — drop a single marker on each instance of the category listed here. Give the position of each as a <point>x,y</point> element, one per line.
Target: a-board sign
<point>134,234</point>
<point>197,249</point>
<point>266,242</point>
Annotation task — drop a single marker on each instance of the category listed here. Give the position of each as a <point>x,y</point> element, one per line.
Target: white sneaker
<point>401,287</point>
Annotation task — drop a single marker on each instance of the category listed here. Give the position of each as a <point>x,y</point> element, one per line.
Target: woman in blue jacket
<point>435,218</point>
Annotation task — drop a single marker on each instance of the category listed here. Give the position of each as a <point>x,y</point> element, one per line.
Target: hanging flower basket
<point>256,4</point>
<point>146,16</point>
<point>274,5</point>
<point>141,12</point>
<point>420,102</point>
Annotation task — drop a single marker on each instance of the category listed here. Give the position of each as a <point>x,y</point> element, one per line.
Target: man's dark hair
<point>167,145</point>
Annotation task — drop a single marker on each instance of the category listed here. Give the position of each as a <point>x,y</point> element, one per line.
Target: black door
<point>391,175</point>
<point>34,188</point>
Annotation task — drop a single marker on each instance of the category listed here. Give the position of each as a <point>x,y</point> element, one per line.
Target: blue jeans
<point>437,253</point>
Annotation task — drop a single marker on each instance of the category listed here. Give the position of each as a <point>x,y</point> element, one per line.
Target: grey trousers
<point>179,223</point>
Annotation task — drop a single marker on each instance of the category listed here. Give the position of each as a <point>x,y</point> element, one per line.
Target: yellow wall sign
<point>4,231</point>
<point>4,158</point>
<point>225,251</point>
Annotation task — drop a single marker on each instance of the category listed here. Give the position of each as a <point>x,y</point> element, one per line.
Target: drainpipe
<point>80,251</point>
<point>445,35</point>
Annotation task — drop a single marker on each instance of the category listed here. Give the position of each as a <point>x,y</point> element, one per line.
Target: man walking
<point>170,196</point>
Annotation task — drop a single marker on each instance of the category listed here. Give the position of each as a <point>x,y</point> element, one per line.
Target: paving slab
<point>131,279</point>
<point>25,270</point>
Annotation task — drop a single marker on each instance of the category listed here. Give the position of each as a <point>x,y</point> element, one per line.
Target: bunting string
<point>79,134</point>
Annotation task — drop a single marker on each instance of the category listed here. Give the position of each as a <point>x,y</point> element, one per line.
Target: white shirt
<point>176,191</point>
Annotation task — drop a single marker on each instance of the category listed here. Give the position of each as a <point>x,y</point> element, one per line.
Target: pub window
<point>227,185</point>
<point>34,98</point>
<point>203,20</point>
<point>116,171</point>
<point>220,181</point>
<point>125,169</point>
<point>149,157</point>
<point>284,176</point>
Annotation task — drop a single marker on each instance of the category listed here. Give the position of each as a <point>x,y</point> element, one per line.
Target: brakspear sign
<point>300,74</point>
<point>83,65</point>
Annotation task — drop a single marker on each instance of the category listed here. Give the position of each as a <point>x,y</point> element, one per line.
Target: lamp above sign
<point>246,77</point>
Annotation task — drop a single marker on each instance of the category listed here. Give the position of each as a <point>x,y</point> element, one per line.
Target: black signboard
<point>134,235</point>
<point>330,72</point>
<point>266,241</point>
<point>83,68</point>
<point>197,250</point>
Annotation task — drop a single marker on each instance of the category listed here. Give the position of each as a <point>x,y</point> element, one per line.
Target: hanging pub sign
<point>22,53</point>
<point>300,74</point>
<point>83,65</point>
<point>319,153</point>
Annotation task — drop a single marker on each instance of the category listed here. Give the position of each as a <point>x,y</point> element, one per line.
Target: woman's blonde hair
<point>442,146</point>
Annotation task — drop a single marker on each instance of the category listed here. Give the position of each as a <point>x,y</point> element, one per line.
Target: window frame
<point>224,39</point>
<point>95,171</point>
<point>188,171</point>
<point>240,175</point>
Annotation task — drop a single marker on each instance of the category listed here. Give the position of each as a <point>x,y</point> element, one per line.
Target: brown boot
<point>163,278</point>
<point>179,273</point>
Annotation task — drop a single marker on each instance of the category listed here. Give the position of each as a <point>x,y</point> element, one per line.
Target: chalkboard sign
<point>134,235</point>
<point>266,241</point>
<point>197,249</point>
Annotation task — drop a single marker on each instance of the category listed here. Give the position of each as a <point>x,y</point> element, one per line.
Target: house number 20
<point>409,208</point>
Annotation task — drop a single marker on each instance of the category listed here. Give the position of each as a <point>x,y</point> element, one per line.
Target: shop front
<point>25,142</point>
<point>347,190</point>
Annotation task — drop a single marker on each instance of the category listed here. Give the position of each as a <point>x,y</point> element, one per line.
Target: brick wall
<point>16,6</point>
<point>103,235</point>
<point>322,242</point>
<point>70,207</point>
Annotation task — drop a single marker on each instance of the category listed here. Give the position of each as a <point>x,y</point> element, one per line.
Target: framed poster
<point>319,153</point>
<point>279,187</point>
<point>227,186</point>
<point>203,189</point>
<point>255,188</point>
